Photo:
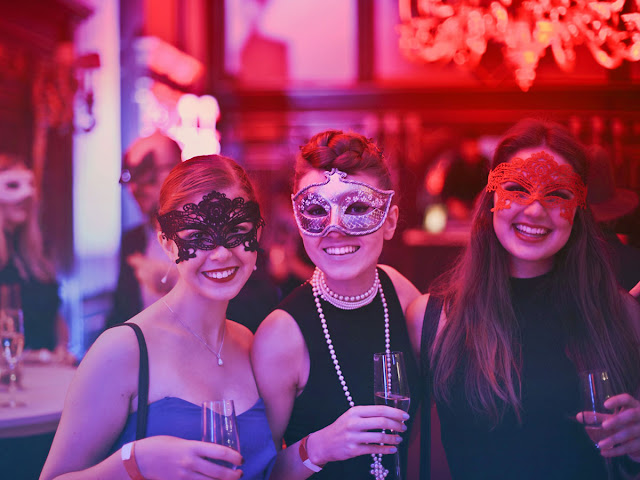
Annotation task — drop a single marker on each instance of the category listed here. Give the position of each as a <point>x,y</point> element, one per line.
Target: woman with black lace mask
<point>210,227</point>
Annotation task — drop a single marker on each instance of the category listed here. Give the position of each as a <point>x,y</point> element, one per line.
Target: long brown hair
<point>25,249</point>
<point>481,322</point>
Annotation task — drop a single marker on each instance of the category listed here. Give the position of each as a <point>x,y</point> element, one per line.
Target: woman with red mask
<point>531,303</point>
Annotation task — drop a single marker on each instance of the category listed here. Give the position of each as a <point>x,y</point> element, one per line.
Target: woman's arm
<point>281,366</point>
<point>415,318</point>
<point>279,360</point>
<point>96,408</point>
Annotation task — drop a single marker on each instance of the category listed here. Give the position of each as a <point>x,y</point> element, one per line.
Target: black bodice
<point>356,336</point>
<point>549,443</point>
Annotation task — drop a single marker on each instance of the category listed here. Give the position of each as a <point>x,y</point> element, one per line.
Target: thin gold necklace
<point>224,330</point>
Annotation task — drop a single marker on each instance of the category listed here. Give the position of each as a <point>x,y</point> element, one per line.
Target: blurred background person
<point>455,178</point>
<point>145,271</point>
<point>609,205</point>
<point>288,264</point>
<point>23,261</point>
<point>465,179</point>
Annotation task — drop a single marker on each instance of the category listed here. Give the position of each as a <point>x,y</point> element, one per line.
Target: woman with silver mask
<point>313,356</point>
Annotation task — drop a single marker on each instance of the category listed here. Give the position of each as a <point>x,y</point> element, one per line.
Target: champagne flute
<point>596,389</point>
<point>11,337</point>
<point>219,426</point>
<point>391,386</point>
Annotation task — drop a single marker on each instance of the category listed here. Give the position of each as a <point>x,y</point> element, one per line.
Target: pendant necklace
<point>318,284</point>
<point>186,327</point>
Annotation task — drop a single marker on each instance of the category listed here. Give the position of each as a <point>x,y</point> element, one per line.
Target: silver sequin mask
<point>337,204</point>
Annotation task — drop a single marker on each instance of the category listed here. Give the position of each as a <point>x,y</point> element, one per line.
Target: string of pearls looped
<point>377,469</point>
<point>346,302</point>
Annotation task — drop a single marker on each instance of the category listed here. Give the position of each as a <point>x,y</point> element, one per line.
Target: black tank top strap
<point>143,381</point>
<point>429,329</point>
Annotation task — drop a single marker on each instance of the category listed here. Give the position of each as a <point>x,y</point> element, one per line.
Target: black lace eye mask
<point>215,221</point>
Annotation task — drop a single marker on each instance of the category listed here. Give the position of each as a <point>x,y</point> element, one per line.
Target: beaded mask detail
<point>337,204</point>
<point>214,221</point>
<point>538,178</point>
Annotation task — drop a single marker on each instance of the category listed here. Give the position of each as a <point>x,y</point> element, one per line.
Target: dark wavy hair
<point>349,152</point>
<point>480,318</point>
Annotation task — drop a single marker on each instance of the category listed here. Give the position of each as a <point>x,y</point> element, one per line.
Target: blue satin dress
<point>178,418</point>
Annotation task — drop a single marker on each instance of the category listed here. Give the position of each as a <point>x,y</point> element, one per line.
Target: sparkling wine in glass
<point>596,389</point>
<point>219,426</point>
<point>11,337</point>
<point>391,386</point>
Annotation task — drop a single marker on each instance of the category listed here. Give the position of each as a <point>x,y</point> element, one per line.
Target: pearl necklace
<point>377,470</point>
<point>186,327</point>
<point>345,302</point>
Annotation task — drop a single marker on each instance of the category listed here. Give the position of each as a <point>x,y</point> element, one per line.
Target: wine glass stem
<point>397,460</point>
<point>13,379</point>
<point>608,464</point>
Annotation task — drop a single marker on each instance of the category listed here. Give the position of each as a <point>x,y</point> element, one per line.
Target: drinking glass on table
<point>219,426</point>
<point>596,389</point>
<point>11,337</point>
<point>391,386</point>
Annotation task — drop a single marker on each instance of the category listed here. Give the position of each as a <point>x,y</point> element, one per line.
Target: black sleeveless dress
<point>40,304</point>
<point>356,336</point>
<point>549,443</point>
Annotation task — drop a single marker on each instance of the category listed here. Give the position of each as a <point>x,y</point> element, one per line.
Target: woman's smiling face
<point>220,272</point>
<point>339,255</point>
<point>533,231</point>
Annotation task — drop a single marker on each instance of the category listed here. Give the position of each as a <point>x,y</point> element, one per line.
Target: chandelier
<point>460,30</point>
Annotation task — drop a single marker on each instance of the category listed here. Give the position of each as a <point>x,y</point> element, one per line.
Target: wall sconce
<point>84,98</point>
<point>60,85</point>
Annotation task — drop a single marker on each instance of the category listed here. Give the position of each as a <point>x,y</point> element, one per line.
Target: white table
<point>44,387</point>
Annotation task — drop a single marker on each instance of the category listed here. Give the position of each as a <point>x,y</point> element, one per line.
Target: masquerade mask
<point>347,206</point>
<point>16,185</point>
<point>538,178</point>
<point>215,221</point>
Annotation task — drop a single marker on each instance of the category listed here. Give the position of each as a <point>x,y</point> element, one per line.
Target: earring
<point>164,279</point>
<point>255,267</point>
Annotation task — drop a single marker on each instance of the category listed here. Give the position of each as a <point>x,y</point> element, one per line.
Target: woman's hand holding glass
<point>611,421</point>
<point>622,427</point>
<point>165,457</point>
<point>357,432</point>
<point>391,387</point>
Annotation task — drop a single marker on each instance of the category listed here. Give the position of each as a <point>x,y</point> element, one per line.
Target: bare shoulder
<point>415,318</point>
<point>417,308</point>
<point>109,370</point>
<point>278,332</point>
<point>119,345</point>
<point>407,291</point>
<point>279,357</point>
